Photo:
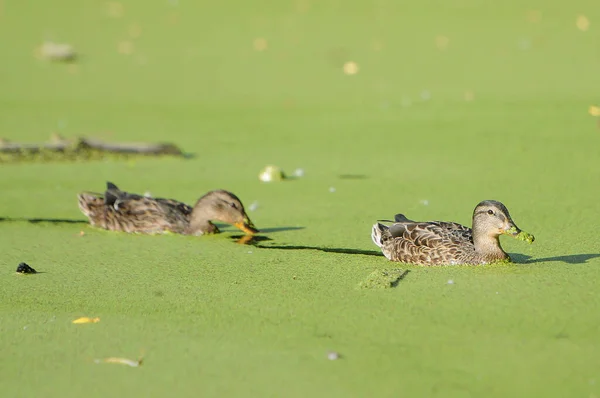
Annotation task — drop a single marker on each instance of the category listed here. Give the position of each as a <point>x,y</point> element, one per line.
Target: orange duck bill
<point>247,226</point>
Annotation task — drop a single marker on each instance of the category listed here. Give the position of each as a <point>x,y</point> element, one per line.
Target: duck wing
<point>136,213</point>
<point>432,234</point>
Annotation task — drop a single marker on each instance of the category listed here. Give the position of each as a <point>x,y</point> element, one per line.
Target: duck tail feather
<point>380,234</point>
<point>112,194</point>
<point>401,218</point>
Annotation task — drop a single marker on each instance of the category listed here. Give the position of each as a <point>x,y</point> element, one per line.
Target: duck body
<point>117,210</point>
<point>448,243</point>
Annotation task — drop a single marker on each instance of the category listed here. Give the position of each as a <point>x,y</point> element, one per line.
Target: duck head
<point>491,218</point>
<point>220,205</point>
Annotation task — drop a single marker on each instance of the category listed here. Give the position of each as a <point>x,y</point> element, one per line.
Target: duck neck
<point>488,246</point>
<point>200,222</point>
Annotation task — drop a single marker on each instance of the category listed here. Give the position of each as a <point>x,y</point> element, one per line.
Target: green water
<point>500,113</point>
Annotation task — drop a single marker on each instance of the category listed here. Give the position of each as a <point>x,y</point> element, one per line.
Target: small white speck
<point>496,292</point>
<point>425,95</point>
<point>299,172</point>
<point>147,194</point>
<point>425,202</point>
<point>332,355</point>
<point>25,327</point>
<point>331,189</point>
<point>406,102</point>
<point>253,206</point>
<point>524,44</point>
<point>450,282</point>
<point>250,252</point>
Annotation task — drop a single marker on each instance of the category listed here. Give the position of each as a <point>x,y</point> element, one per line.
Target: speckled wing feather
<point>430,243</point>
<point>136,213</point>
<point>122,211</point>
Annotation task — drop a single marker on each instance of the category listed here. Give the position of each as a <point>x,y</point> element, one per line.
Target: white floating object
<point>299,173</point>
<point>332,355</point>
<point>450,281</point>
<point>147,194</point>
<point>331,189</point>
<point>253,206</point>
<point>425,202</point>
<point>57,51</point>
<point>271,173</point>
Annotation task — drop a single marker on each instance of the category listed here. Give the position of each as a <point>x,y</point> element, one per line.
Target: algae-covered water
<point>422,108</point>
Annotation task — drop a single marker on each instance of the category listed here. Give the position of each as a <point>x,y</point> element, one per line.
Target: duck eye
<point>233,205</point>
<point>490,212</point>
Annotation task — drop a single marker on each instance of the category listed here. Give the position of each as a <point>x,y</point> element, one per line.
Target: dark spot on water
<point>24,268</point>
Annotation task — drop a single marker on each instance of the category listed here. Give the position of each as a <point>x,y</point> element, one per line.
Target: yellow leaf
<point>85,319</point>
<point>594,110</point>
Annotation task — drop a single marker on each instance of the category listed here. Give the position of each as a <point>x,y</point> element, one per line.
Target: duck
<point>118,210</point>
<point>449,243</point>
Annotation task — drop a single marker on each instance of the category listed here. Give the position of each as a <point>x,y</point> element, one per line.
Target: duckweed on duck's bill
<point>525,237</point>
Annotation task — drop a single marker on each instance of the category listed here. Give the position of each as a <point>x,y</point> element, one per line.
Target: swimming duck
<point>449,243</point>
<point>117,210</point>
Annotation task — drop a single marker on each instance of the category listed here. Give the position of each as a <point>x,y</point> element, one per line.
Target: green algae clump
<point>525,237</point>
<point>522,235</point>
<point>383,279</point>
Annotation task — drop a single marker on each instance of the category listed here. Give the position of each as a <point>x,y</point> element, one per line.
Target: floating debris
<point>332,189</point>
<point>441,42</point>
<point>253,206</point>
<point>424,202</point>
<point>260,44</point>
<point>60,52</point>
<point>271,173</point>
<point>383,279</point>
<point>115,9</point>
<point>332,355</point>
<point>24,268</point>
<point>121,361</point>
<point>377,45</point>
<point>582,23</point>
<point>534,16</point>
<point>594,110</point>
<point>85,319</point>
<point>524,44</point>
<point>351,68</point>
<point>298,173</point>
<point>450,282</point>
<point>135,31</point>
<point>59,148</point>
<point>125,47</point>
<point>81,233</point>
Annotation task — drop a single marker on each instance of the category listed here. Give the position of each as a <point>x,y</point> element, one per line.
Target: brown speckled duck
<point>448,243</point>
<point>121,211</point>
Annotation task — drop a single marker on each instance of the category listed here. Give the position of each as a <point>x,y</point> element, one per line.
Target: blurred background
<point>437,101</point>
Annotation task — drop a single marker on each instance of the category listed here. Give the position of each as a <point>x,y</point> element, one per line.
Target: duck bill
<point>247,226</point>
